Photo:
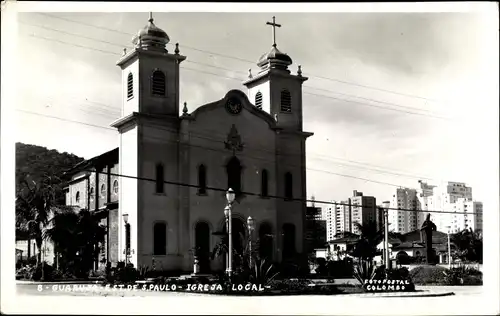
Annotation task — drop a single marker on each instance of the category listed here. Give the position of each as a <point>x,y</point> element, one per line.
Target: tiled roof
<point>92,162</point>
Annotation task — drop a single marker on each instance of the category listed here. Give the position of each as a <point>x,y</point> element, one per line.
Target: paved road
<point>467,300</point>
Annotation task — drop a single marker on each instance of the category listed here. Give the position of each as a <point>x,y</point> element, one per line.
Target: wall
<point>159,145</point>
<point>81,187</point>
<point>129,188</point>
<point>255,156</point>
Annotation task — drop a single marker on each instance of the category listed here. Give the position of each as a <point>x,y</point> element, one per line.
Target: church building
<point>162,192</point>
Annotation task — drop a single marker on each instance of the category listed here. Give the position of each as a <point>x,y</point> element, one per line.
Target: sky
<point>391,97</point>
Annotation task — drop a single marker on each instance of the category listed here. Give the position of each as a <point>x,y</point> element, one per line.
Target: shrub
<point>123,274</point>
<point>287,286</point>
<point>58,275</point>
<point>25,272</point>
<point>364,270</point>
<point>463,276</point>
<point>428,275</point>
<point>47,272</point>
<point>442,276</point>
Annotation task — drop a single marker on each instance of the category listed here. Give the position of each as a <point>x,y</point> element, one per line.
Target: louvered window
<point>130,86</point>
<point>158,83</point>
<point>258,100</point>
<point>286,101</point>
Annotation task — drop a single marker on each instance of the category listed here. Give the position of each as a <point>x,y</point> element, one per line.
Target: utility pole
<point>386,239</point>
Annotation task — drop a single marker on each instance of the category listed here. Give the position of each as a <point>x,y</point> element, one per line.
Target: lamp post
<point>251,227</point>
<point>125,219</point>
<point>449,248</point>
<point>230,196</point>
<point>386,239</point>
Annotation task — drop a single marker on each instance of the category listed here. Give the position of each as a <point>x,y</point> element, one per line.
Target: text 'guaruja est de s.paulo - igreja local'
<point>152,287</point>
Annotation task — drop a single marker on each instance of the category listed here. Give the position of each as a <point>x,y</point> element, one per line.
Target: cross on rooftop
<point>274,25</point>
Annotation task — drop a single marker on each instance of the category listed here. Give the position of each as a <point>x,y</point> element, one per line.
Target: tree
<point>34,204</point>
<point>77,236</point>
<point>469,244</point>
<point>365,248</point>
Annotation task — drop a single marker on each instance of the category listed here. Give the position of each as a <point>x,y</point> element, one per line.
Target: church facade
<point>174,168</point>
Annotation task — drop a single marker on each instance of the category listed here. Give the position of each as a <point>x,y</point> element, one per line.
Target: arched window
<point>77,197</point>
<point>265,241</point>
<point>286,101</point>
<point>160,239</point>
<point>288,185</point>
<point>233,169</point>
<point>264,184</point>
<point>158,83</point>
<point>202,179</point>
<point>103,190</point>
<point>115,186</point>
<point>159,178</point>
<point>130,86</point>
<point>258,100</point>
<point>288,241</point>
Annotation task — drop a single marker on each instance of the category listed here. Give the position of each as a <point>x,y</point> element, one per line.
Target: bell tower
<point>274,89</point>
<point>148,131</point>
<point>150,74</point>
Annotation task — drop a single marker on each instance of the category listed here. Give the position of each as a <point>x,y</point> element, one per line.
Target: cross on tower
<point>151,17</point>
<point>274,25</point>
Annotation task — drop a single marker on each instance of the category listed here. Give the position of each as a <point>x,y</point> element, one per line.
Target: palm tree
<point>365,248</point>
<point>76,232</point>
<point>34,205</point>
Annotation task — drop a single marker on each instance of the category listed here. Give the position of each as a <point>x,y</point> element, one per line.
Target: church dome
<point>151,36</point>
<point>274,59</point>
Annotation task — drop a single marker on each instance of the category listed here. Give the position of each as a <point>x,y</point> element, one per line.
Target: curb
<point>410,294</point>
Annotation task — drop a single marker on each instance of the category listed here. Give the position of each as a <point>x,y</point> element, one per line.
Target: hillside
<point>32,162</point>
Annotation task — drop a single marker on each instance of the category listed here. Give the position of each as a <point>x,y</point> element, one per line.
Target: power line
<point>67,120</point>
<point>239,79</point>
<point>253,62</point>
<point>249,156</point>
<point>77,35</point>
<point>113,114</point>
<point>305,200</point>
<point>72,44</point>
<point>369,99</point>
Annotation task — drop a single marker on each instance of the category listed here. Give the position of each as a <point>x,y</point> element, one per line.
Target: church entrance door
<point>202,243</point>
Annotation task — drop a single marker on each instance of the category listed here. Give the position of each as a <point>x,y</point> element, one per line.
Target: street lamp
<point>125,219</point>
<point>449,248</point>
<point>230,196</point>
<point>251,228</point>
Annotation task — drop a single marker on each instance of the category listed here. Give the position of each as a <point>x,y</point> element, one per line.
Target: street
<point>467,300</point>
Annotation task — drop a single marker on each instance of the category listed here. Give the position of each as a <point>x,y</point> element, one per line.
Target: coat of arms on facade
<point>233,141</point>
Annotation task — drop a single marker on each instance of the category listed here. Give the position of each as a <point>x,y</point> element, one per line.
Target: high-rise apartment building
<point>424,195</point>
<point>315,232</point>
<point>363,210</point>
<point>343,215</point>
<point>469,216</point>
<point>404,210</point>
<point>453,199</point>
<point>443,199</point>
<point>327,215</point>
